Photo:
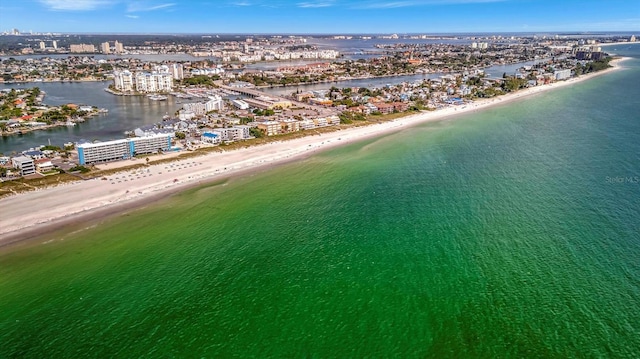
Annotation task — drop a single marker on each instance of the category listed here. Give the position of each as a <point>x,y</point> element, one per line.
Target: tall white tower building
<point>106,49</point>
<point>177,71</point>
<point>119,47</point>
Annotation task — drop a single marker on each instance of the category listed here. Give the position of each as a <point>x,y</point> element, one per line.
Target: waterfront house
<point>44,165</point>
<point>25,164</point>
<point>210,137</point>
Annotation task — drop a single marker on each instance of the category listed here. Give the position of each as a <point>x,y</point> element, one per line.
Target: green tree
<point>256,132</point>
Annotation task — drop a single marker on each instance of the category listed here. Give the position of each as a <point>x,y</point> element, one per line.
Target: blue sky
<point>319,16</point>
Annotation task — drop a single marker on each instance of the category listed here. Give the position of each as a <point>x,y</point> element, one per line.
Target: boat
<point>70,123</point>
<point>157,97</point>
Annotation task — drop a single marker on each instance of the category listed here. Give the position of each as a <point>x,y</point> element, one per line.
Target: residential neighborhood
<point>223,101</point>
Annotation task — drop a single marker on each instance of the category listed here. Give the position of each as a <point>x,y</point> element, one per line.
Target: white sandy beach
<point>38,209</point>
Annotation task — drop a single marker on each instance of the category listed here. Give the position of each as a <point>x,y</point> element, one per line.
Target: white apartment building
<point>119,47</point>
<point>480,45</point>
<point>323,54</point>
<point>198,108</point>
<point>82,48</point>
<point>210,137</point>
<point>164,81</point>
<point>105,47</point>
<point>116,150</point>
<point>208,72</point>
<point>321,122</point>
<point>562,74</point>
<point>123,80</point>
<point>333,120</point>
<point>25,164</point>
<point>177,71</point>
<point>103,151</point>
<point>307,124</point>
<point>240,104</point>
<point>215,103</point>
<point>161,69</point>
<point>150,144</point>
<point>153,82</point>
<point>235,133</point>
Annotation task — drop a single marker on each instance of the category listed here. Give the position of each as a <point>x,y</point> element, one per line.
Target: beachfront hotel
<point>116,150</point>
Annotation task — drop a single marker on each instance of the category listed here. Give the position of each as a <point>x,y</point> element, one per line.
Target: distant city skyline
<point>319,17</point>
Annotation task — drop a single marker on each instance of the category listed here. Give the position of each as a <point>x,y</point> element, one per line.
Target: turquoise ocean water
<point>512,232</point>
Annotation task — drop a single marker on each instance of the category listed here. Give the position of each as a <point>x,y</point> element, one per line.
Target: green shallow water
<point>506,233</point>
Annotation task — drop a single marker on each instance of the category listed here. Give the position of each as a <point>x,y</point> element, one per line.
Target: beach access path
<point>26,214</point>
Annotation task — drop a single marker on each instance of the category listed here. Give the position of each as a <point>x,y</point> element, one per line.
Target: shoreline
<point>33,214</point>
<point>618,43</point>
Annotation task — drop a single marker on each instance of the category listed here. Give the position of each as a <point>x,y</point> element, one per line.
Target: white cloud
<point>75,5</point>
<point>139,6</point>
<point>412,3</point>
<point>388,5</point>
<point>315,4</point>
<point>132,16</point>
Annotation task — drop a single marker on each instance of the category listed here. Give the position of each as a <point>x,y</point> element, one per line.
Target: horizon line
<point>564,32</point>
